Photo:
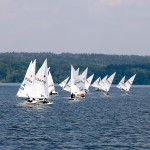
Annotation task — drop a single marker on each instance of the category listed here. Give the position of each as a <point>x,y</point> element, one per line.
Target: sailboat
<point>83,76</point>
<point>51,87</point>
<point>101,83</point>
<point>121,83</point>
<point>67,87</point>
<point>75,91</point>
<point>107,84</point>
<point>128,85</point>
<point>63,83</point>
<point>27,84</point>
<point>81,79</point>
<point>39,92</point>
<point>96,82</point>
<point>88,83</point>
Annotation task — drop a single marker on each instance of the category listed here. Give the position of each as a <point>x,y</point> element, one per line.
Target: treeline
<point>14,65</point>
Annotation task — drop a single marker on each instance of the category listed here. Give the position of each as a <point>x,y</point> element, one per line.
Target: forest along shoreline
<point>13,65</point>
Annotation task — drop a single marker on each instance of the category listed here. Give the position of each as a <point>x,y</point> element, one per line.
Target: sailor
<point>108,93</point>
<point>72,95</point>
<point>51,93</point>
<point>45,100</point>
<point>29,99</point>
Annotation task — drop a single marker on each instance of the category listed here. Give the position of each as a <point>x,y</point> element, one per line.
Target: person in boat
<point>45,100</point>
<point>107,93</point>
<point>29,99</point>
<point>72,95</point>
<point>51,93</point>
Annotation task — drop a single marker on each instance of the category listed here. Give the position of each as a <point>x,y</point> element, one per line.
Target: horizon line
<point>76,53</point>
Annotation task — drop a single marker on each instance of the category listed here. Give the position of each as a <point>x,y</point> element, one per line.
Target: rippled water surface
<point>96,122</point>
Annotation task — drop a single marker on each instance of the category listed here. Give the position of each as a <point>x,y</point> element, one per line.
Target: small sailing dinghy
<point>107,84</point>
<point>128,84</point>
<point>101,83</point>
<point>51,86</point>
<point>88,83</point>
<point>80,80</point>
<point>63,83</point>
<point>121,84</point>
<point>67,87</point>
<point>27,84</point>
<point>76,93</point>
<point>39,91</point>
<point>95,84</point>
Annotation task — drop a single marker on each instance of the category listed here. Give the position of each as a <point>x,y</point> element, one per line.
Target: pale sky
<point>78,26</point>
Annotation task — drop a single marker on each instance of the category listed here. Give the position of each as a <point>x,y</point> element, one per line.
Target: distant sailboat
<point>88,82</point>
<point>121,83</point>
<point>96,82</point>
<point>63,83</point>
<point>83,76</point>
<point>68,86</point>
<point>107,84</point>
<point>51,87</point>
<point>101,83</point>
<point>81,79</point>
<point>128,84</point>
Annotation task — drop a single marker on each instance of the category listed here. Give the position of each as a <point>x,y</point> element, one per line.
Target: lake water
<point>98,122</point>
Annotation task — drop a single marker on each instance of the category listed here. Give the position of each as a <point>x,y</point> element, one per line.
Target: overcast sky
<point>78,26</point>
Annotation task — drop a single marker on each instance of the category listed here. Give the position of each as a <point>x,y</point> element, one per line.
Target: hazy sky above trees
<point>78,26</point>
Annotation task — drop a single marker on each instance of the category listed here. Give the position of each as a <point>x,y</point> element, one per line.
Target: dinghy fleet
<point>39,87</point>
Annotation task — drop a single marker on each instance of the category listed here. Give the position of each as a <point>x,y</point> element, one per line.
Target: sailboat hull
<point>54,93</point>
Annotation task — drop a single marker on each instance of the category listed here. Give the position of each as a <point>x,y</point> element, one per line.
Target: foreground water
<point>97,122</point>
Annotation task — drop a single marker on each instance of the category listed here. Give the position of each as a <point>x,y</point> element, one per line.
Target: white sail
<point>95,84</point>
<point>48,69</point>
<point>26,86</point>
<point>51,86</point>
<point>68,86</point>
<point>100,84</point>
<point>81,79</point>
<point>63,83</point>
<point>77,71</point>
<point>76,74</point>
<point>128,83</point>
<point>83,76</point>
<point>74,78</point>
<point>121,83</point>
<point>40,86</point>
<point>107,84</point>
<point>88,82</point>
